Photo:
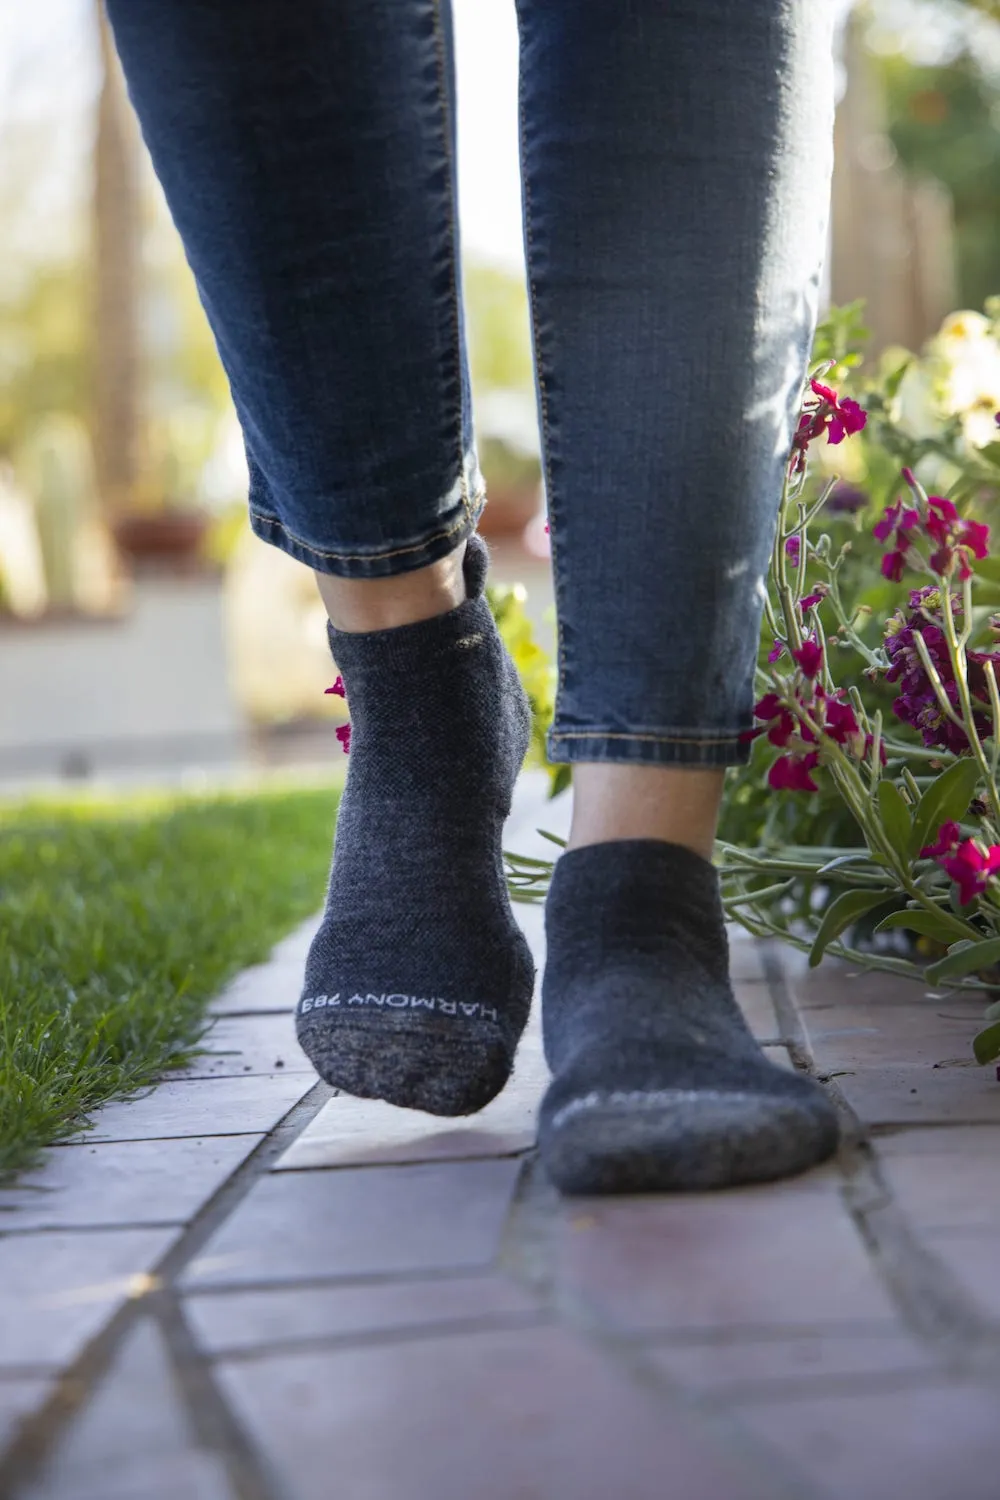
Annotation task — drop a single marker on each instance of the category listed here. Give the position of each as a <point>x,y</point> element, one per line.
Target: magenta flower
<point>971,867</point>
<point>338,688</point>
<point>917,703</point>
<point>949,835</point>
<point>775,651</point>
<point>896,525</point>
<point>780,720</point>
<point>895,521</point>
<point>793,550</point>
<point>842,726</point>
<point>837,417</point>
<point>790,773</point>
<point>343,733</point>
<point>809,656</point>
<point>845,417</point>
<point>954,536</point>
<point>816,597</point>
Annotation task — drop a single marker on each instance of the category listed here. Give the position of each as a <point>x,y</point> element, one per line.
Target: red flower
<point>971,867</point>
<point>343,733</point>
<point>893,564</point>
<point>790,773</point>
<point>809,657</point>
<point>948,837</point>
<point>954,537</point>
<point>337,689</point>
<point>837,417</point>
<point>781,720</point>
<point>846,416</point>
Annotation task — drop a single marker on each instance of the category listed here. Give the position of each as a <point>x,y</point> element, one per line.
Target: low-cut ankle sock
<point>418,983</point>
<point>658,1083</point>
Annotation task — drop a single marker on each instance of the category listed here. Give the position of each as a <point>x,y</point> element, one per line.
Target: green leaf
<point>992,1012</point>
<point>861,857</point>
<point>840,914</point>
<point>892,382</point>
<point>964,958</point>
<point>895,816</point>
<point>561,778</point>
<point>945,800</point>
<point>930,924</point>
<point>986,1044</point>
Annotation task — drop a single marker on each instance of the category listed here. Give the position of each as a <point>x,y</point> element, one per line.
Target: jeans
<point>676,159</point>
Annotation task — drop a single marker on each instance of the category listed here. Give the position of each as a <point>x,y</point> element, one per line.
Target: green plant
<point>881,700</point>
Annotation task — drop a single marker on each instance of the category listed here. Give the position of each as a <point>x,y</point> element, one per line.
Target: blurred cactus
<point>55,468</point>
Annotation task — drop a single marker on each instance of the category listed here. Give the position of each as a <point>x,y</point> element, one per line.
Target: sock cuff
<point>634,875</point>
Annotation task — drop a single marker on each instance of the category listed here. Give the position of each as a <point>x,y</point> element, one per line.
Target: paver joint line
<point>25,1456</point>
<point>955,1337</point>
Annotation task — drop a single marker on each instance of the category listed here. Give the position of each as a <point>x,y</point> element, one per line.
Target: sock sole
<point>678,1140</point>
<point>432,1071</point>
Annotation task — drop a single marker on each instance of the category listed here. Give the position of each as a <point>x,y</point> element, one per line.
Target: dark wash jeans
<point>676,158</point>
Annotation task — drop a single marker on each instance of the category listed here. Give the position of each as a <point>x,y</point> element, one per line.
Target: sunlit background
<point>142,628</point>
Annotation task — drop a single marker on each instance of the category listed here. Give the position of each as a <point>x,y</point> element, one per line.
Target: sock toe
<point>658,1084</point>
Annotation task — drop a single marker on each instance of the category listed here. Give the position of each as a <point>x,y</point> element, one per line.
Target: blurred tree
<point>117,234</point>
<point>943,121</point>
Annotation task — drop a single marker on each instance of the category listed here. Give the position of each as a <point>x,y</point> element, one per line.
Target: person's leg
<point>307,155</point>
<point>676,163</point>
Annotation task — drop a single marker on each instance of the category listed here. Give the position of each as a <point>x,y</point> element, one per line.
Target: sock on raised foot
<point>418,983</point>
<point>658,1083</point>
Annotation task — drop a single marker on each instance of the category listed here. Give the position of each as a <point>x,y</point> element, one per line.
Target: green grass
<point>118,922</point>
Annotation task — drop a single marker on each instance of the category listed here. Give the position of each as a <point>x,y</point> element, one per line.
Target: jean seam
<point>664,739</point>
<point>543,398</point>
<point>470,513</point>
<point>446,142</point>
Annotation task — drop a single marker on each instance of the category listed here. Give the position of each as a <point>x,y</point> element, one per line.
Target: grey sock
<point>658,1083</point>
<point>419,982</point>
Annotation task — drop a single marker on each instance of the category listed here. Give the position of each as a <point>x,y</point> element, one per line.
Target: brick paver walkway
<point>242,1288</point>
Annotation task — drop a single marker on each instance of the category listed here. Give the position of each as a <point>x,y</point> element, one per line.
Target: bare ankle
<point>361,604</point>
<point>679,804</point>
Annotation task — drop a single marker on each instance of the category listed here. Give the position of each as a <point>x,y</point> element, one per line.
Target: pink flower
<point>841,724</point>
<point>793,549</point>
<point>846,416</point>
<point>781,720</point>
<point>338,688</point>
<point>775,651</point>
<point>971,868</point>
<point>816,597</point>
<point>809,657</point>
<point>893,564</point>
<point>837,417</point>
<point>343,733</point>
<point>948,837</point>
<point>790,773</point>
<point>954,537</point>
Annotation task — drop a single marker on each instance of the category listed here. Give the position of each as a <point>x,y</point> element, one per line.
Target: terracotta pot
<point>171,539</point>
<point>509,509</point>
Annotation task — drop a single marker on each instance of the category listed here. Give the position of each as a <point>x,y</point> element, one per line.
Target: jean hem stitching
<point>471,511</point>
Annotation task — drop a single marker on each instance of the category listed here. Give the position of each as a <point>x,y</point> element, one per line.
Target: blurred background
<point>142,628</point>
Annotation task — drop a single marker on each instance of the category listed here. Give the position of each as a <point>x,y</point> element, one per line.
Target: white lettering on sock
<point>397,1000</point>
